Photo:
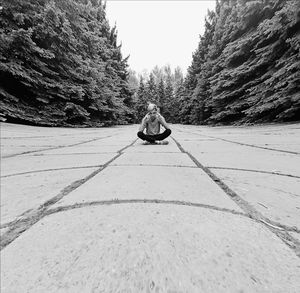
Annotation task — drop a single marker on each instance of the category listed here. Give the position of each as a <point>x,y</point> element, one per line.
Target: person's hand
<point>146,118</point>
<point>159,117</point>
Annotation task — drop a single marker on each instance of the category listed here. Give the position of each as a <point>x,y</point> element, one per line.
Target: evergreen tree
<point>168,102</point>
<point>200,69</point>
<point>246,66</point>
<point>133,80</point>
<point>151,90</point>
<point>158,74</point>
<point>178,100</point>
<point>178,77</point>
<point>60,64</point>
<point>161,95</point>
<point>141,101</point>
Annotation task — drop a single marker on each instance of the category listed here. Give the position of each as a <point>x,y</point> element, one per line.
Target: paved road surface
<point>95,210</point>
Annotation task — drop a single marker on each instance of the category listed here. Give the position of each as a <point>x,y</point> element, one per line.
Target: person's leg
<point>146,137</point>
<point>163,135</point>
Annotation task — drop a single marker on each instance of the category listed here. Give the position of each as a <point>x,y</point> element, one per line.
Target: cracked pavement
<point>95,210</point>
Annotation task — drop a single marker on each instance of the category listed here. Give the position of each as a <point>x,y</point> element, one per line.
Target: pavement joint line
<point>201,139</point>
<point>274,227</point>
<point>160,201</point>
<point>18,137</point>
<point>44,136</point>
<point>252,170</point>
<point>146,201</point>
<point>57,147</point>
<point>69,154</point>
<point>154,165</point>
<point>17,227</point>
<point>155,153</point>
<point>56,135</point>
<point>92,166</point>
<point>243,204</point>
<point>241,143</point>
<point>50,170</point>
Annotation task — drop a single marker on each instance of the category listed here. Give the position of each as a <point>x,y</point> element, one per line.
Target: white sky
<point>158,32</point>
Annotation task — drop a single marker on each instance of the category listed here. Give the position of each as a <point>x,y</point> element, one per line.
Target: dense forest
<point>162,87</point>
<point>61,65</point>
<point>246,68</point>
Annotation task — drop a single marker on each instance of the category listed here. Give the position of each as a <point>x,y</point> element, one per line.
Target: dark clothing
<point>153,138</point>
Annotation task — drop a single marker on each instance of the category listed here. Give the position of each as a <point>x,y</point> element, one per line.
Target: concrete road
<point>95,210</point>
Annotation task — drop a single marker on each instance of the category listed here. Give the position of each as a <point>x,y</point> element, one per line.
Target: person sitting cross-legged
<point>151,122</point>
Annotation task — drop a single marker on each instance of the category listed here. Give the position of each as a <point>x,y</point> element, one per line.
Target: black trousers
<point>153,138</point>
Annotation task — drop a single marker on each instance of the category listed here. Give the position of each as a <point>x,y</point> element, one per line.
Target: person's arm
<point>143,124</point>
<point>163,122</point>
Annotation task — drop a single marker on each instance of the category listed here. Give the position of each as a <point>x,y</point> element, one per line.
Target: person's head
<point>152,111</point>
<point>152,108</point>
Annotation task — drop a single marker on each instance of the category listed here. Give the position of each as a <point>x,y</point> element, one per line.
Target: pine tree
<point>179,93</point>
<point>60,64</point>
<point>133,80</point>
<point>151,90</point>
<point>178,77</point>
<point>141,101</point>
<point>158,74</point>
<point>161,95</point>
<point>168,102</point>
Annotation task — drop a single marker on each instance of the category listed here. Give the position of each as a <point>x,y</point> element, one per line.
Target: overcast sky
<point>156,32</point>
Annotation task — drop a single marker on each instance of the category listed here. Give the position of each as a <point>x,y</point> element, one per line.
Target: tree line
<point>246,67</point>
<point>60,64</point>
<point>244,70</point>
<point>162,87</point>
